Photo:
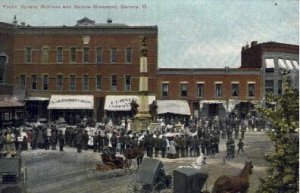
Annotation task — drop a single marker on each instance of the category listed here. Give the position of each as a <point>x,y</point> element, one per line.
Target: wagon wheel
<point>159,187</point>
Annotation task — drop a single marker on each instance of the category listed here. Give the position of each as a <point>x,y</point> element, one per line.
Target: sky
<point>191,33</point>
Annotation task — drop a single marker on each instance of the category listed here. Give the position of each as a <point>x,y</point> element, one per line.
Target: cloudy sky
<point>192,33</point>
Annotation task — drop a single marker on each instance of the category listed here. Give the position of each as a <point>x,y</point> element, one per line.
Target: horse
<point>134,153</point>
<point>234,184</point>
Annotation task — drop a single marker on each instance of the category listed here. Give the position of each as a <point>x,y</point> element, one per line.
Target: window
<point>73,55</point>
<point>59,55</point>
<point>45,55</point>
<point>22,80</point>
<point>184,90</point>
<point>127,82</point>
<point>7,116</point>
<point>165,89</point>
<point>98,82</point>
<point>218,90</point>
<point>72,82</point>
<point>2,68</point>
<point>28,55</point>
<point>269,86</point>
<point>59,82</point>
<point>85,81</point>
<point>99,55</point>
<point>200,90</point>
<point>114,82</point>
<point>113,55</point>
<point>251,89</point>
<point>269,65</point>
<point>234,89</point>
<point>45,82</point>
<point>128,55</point>
<point>280,87</point>
<point>33,82</point>
<point>85,55</point>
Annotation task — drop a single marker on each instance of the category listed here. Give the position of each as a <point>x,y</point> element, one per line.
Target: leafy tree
<point>283,172</point>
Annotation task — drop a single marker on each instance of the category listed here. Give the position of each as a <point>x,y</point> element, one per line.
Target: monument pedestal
<point>142,119</point>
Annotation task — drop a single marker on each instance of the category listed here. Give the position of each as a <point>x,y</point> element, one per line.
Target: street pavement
<point>52,171</point>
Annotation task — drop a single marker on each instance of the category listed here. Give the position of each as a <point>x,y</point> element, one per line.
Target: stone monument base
<point>141,121</point>
<point>153,126</point>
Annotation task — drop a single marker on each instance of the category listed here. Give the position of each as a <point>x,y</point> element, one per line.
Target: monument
<point>142,118</point>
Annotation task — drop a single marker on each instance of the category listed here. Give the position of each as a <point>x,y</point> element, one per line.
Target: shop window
<point>7,116</point>
<point>59,82</point>
<point>251,90</point>
<point>85,55</point>
<point>280,87</point>
<point>45,55</point>
<point>165,89</point>
<point>200,90</point>
<point>219,90</point>
<point>184,90</point>
<point>127,82</point>
<point>73,55</point>
<point>45,82</point>
<point>85,82</point>
<point>235,90</point>
<point>113,55</point>
<point>98,82</point>
<point>72,82</point>
<point>128,55</point>
<point>113,82</point>
<point>269,86</point>
<point>59,55</point>
<point>34,82</point>
<point>28,55</point>
<point>98,55</point>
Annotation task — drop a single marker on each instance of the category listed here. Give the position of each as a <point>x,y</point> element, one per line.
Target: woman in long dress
<point>172,150</point>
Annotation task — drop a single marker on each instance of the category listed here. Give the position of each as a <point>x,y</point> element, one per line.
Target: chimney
<point>109,20</point>
<point>22,24</point>
<point>15,22</point>
<point>247,46</point>
<point>253,43</point>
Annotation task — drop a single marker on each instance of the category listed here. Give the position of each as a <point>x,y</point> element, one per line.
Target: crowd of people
<point>198,136</point>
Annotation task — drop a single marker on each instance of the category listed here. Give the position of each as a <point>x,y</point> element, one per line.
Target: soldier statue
<point>134,107</point>
<point>153,111</point>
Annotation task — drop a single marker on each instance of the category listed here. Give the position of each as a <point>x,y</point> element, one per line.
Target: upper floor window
<point>165,89</point>
<point>269,65</point>
<point>235,89</point>
<point>72,82</point>
<point>127,82</point>
<point>22,80</point>
<point>128,55</point>
<point>85,81</point>
<point>269,86</point>
<point>59,82</point>
<point>114,82</point>
<point>59,55</point>
<point>45,82</point>
<point>34,82</point>
<point>219,89</point>
<point>184,90</point>
<point>45,55</point>
<point>280,87</point>
<point>98,82</point>
<point>251,89</point>
<point>28,55</point>
<point>113,55</point>
<point>73,55</point>
<point>200,90</point>
<point>98,55</point>
<point>85,55</point>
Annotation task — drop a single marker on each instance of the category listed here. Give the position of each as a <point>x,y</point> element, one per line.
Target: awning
<point>71,102</point>
<point>38,99</point>
<point>173,106</point>
<point>296,65</point>
<point>10,101</point>
<point>232,104</point>
<point>223,102</point>
<point>270,63</point>
<point>281,63</point>
<point>289,64</point>
<point>122,102</point>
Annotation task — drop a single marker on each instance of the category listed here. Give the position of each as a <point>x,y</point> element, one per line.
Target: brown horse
<point>234,184</point>
<point>134,153</point>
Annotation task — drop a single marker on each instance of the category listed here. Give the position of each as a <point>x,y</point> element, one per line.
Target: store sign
<point>70,100</point>
<point>120,104</point>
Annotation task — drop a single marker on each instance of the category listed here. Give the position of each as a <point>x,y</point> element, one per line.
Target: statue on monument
<point>153,110</point>
<point>134,107</point>
<point>143,48</point>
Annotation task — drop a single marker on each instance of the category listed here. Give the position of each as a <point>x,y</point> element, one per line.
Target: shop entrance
<point>213,110</point>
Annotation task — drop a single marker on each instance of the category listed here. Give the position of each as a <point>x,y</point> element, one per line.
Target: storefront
<point>211,108</point>
<point>71,108</point>
<point>173,110</point>
<point>36,109</point>
<point>11,111</point>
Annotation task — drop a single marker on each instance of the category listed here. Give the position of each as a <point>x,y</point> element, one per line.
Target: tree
<point>283,173</point>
